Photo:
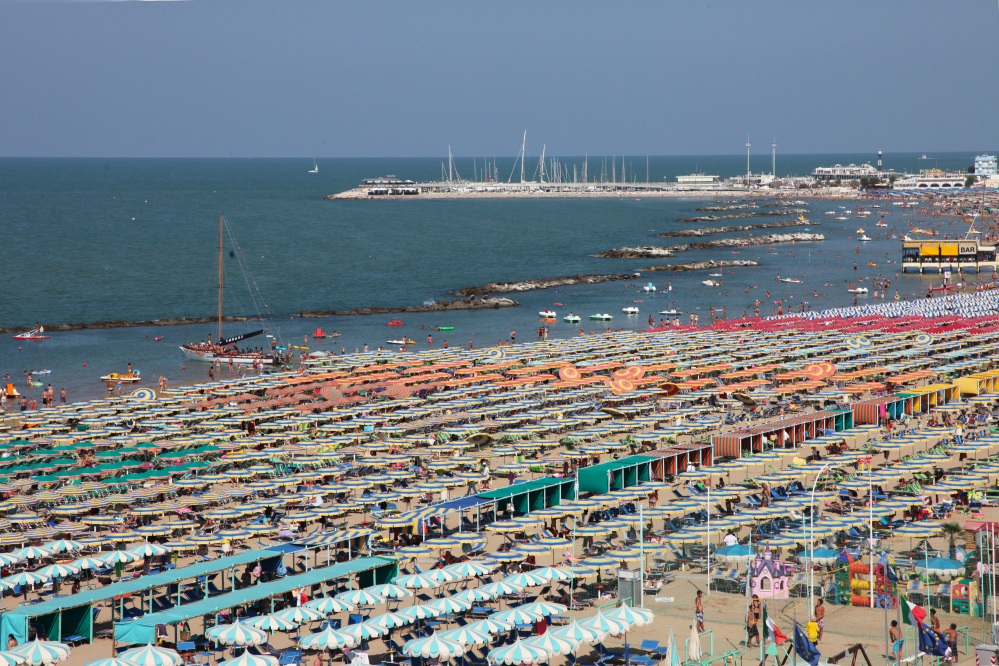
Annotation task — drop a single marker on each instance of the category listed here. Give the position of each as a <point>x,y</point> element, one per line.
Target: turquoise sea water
<point>92,239</point>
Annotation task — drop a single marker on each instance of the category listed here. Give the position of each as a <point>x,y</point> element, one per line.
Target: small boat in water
<point>547,313</point>
<point>791,280</point>
<point>711,283</point>
<point>629,310</point>
<point>401,343</point>
<point>865,237</point>
<point>601,317</point>
<point>315,166</point>
<point>572,319</point>
<point>124,377</point>
<point>33,334</point>
<point>395,322</point>
<point>669,312</point>
<point>857,290</point>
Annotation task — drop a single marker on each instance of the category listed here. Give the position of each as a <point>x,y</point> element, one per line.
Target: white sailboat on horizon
<point>315,166</point>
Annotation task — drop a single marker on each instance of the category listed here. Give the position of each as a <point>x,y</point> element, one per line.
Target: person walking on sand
<point>119,388</point>
<point>110,388</point>
<point>62,397</point>
<point>896,640</point>
<point>820,619</point>
<point>699,612</point>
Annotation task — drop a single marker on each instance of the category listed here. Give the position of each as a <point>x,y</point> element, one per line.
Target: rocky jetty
<point>121,323</point>
<point>470,303</point>
<point>546,283</point>
<point>718,209</point>
<point>702,266</point>
<point>709,231</point>
<point>736,216</point>
<point>742,241</point>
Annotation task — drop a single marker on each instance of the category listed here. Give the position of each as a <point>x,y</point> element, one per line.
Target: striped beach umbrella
<point>89,563</point>
<point>270,623</point>
<point>24,578</point>
<point>442,576</point>
<point>449,605</point>
<point>330,605</point>
<point>63,545</point>
<point>110,661</point>
<point>248,659</point>
<point>13,659</point>
<point>635,617</point>
<point>32,553</point>
<point>361,597</point>
<point>582,634</point>
<point>363,631</point>
<point>490,626</point>
<point>58,570</point>
<point>122,556</point>
<point>146,549</point>
<point>525,579</point>
<point>327,639</point>
<point>391,591</point>
<point>466,636</point>
<point>420,612</point>
<point>300,614</point>
<point>553,574</point>
<point>503,587</point>
<point>389,620</point>
<point>236,633</point>
<point>474,595</point>
<point>433,647</point>
<point>151,655</point>
<point>516,616</point>
<point>39,652</point>
<point>545,608</point>
<point>610,626</point>
<point>553,644</point>
<point>518,653</point>
<point>416,581</point>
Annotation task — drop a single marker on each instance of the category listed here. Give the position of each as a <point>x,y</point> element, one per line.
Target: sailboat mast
<point>219,339</point>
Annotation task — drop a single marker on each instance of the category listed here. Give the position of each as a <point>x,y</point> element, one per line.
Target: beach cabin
<point>768,577</point>
<point>786,433</point>
<point>875,409</point>
<point>616,474</point>
<point>979,383</point>
<point>676,458</point>
<point>927,397</point>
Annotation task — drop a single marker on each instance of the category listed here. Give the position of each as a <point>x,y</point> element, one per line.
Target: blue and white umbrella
<point>236,633</point>
<point>248,659</point>
<point>545,608</point>
<point>552,574</point>
<point>610,626</point>
<point>516,616</point>
<point>146,549</point>
<point>468,569</point>
<point>391,591</point>
<point>32,553</point>
<point>502,587</point>
<point>525,579</point>
<point>361,597</point>
<point>442,575</point>
<point>110,661</point>
<point>64,545</point>
<point>635,617</point>
<point>89,563</point>
<point>421,612</point>
<point>433,647</point>
<point>450,605</point>
<point>416,581</point>
<point>552,643</point>
<point>466,636</point>
<point>490,626</point>
<point>58,570</point>
<point>579,633</point>
<point>330,605</point>
<point>518,653</point>
<point>270,623</point>
<point>119,556</point>
<point>327,639</point>
<point>151,655</point>
<point>474,595</point>
<point>24,578</point>
<point>363,632</point>
<point>13,659</point>
<point>389,620</point>
<point>39,652</point>
<point>300,614</point>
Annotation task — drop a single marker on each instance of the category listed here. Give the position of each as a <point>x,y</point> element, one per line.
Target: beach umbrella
<point>577,632</point>
<point>635,617</point>
<point>941,566</point>
<point>416,581</point>
<point>490,626</point>
<point>503,587</point>
<point>146,549</point>
<point>122,556</point>
<point>24,578</point>
<point>552,574</point>
<point>361,597</point>
<point>108,661</point>
<point>545,608</point>
<point>236,633</point>
<point>552,643</point>
<point>364,631</point>
<point>465,636</point>
<point>249,659</point>
<point>270,623</point>
<point>39,652</point>
<point>525,579</point>
<point>820,556</point>
<point>608,625</point>
<point>420,612</point>
<point>327,639</point>
<point>330,605</point>
<point>468,569</point>
<point>516,616</point>
<point>442,576</point>
<point>63,545</point>
<point>13,659</point>
<point>389,620</point>
<point>89,563</point>
<point>474,595</point>
<point>433,647</point>
<point>151,655</point>
<point>300,614</point>
<point>58,570</point>
<point>391,591</point>
<point>449,605</point>
<point>518,653</point>
<point>32,553</point>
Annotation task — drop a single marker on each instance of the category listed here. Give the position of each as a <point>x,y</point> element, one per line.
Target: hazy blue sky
<point>319,77</point>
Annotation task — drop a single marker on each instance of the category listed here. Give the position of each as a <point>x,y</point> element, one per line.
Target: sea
<point>87,240</point>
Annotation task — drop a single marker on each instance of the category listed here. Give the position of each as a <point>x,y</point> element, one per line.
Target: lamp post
<point>811,539</point>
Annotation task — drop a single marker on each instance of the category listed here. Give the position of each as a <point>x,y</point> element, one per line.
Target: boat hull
<point>209,357</point>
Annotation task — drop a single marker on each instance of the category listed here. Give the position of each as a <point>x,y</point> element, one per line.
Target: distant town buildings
<point>931,179</point>
<point>985,166</point>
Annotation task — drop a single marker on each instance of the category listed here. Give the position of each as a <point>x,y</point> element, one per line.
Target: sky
<point>304,78</point>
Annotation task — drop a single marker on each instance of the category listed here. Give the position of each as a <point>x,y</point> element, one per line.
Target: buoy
<point>184,368</point>
<point>84,365</point>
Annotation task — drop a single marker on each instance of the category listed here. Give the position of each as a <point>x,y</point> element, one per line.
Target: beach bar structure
<point>784,433</point>
<point>979,383</point>
<point>369,571</point>
<point>675,459</point>
<point>616,474</point>
<point>532,495</point>
<point>875,409</point>
<point>932,395</point>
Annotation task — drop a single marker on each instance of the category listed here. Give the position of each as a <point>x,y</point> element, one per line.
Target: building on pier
<point>955,256</point>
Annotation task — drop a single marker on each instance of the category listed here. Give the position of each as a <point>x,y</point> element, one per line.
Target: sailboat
<point>226,349</point>
<point>315,166</point>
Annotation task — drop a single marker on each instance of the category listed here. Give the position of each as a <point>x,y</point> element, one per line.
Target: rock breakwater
<point>742,241</point>
<point>710,231</point>
<point>702,266</point>
<point>470,303</point>
<point>736,216</point>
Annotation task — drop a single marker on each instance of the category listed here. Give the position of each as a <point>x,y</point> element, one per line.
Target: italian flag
<point>911,613</point>
<point>771,632</point>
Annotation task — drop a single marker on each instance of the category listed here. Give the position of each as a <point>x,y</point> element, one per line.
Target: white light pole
<point>749,144</point>
<point>870,539</point>
<point>811,539</point>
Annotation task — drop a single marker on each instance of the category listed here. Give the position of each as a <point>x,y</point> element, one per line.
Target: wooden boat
<point>124,377</point>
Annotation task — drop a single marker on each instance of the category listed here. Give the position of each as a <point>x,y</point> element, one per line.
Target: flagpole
<point>885,604</point>
<point>794,651</point>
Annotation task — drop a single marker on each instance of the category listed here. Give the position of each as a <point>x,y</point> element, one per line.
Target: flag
<point>932,642</point>
<point>804,647</point>
<point>889,571</point>
<point>771,632</point>
<point>911,613</point>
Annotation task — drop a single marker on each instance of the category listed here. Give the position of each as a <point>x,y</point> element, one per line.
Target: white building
<point>698,181</point>
<point>849,172</point>
<point>931,179</point>
<point>985,165</point>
